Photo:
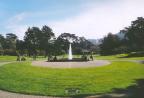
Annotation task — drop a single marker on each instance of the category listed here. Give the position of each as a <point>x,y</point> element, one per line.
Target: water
<point>70,52</point>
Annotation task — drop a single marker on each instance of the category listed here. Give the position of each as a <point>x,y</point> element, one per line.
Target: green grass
<point>66,56</point>
<point>21,77</point>
<point>7,58</point>
<point>113,57</point>
<point>14,58</point>
<point>117,57</point>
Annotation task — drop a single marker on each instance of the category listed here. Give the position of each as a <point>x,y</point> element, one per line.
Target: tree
<point>64,40</point>
<point>47,35</point>
<point>39,40</point>
<point>78,43</point>
<point>20,47</point>
<point>134,35</point>
<point>32,40</point>
<point>10,44</point>
<point>1,49</point>
<point>57,49</point>
<point>11,41</point>
<point>82,44</point>
<point>2,40</point>
<point>109,44</point>
<point>2,44</point>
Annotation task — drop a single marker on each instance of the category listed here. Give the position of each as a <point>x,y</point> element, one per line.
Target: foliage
<point>21,47</point>
<point>110,44</point>
<point>121,57</point>
<point>131,42</point>
<point>78,45</point>
<point>42,41</point>
<point>1,49</point>
<point>46,36</point>
<point>136,54</point>
<point>23,59</point>
<point>8,44</point>
<point>39,40</point>
<point>134,35</point>
<point>2,43</point>
<point>11,41</point>
<point>11,52</point>
<point>32,40</point>
<point>65,38</point>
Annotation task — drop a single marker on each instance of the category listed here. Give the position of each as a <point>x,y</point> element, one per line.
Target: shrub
<point>23,59</point>
<point>18,58</point>
<point>10,52</point>
<point>1,52</point>
<point>136,54</point>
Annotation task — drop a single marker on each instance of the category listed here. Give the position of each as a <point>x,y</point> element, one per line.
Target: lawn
<point>21,77</point>
<point>117,57</point>
<point>97,57</point>
<point>111,57</point>
<point>14,58</point>
<point>7,58</point>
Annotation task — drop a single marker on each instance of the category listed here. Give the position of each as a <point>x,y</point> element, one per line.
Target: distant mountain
<point>120,35</point>
<point>94,41</point>
<point>97,41</point>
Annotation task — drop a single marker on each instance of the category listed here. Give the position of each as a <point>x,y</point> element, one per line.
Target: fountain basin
<point>68,60</point>
<point>73,64</point>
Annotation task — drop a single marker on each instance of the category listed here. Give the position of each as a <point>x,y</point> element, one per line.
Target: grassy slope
<point>118,57</point>
<point>7,58</point>
<point>113,57</point>
<point>24,78</point>
<point>13,58</point>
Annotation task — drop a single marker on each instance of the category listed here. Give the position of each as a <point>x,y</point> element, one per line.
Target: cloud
<point>99,19</point>
<point>19,30</point>
<point>17,18</point>
<point>14,25</point>
<point>94,21</point>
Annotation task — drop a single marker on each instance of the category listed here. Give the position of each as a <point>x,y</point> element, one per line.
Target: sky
<point>92,19</point>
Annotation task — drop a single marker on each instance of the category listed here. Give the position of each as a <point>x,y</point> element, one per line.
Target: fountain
<point>70,52</point>
<point>70,57</point>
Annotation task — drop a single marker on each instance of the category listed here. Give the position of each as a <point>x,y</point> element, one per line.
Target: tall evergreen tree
<point>109,44</point>
<point>134,35</point>
<point>32,40</point>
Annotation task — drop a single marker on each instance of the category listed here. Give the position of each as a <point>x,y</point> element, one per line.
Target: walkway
<point>88,64</point>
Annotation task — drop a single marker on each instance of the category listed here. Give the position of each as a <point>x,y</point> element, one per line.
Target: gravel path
<point>3,63</point>
<point>71,64</point>
<point>4,94</point>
